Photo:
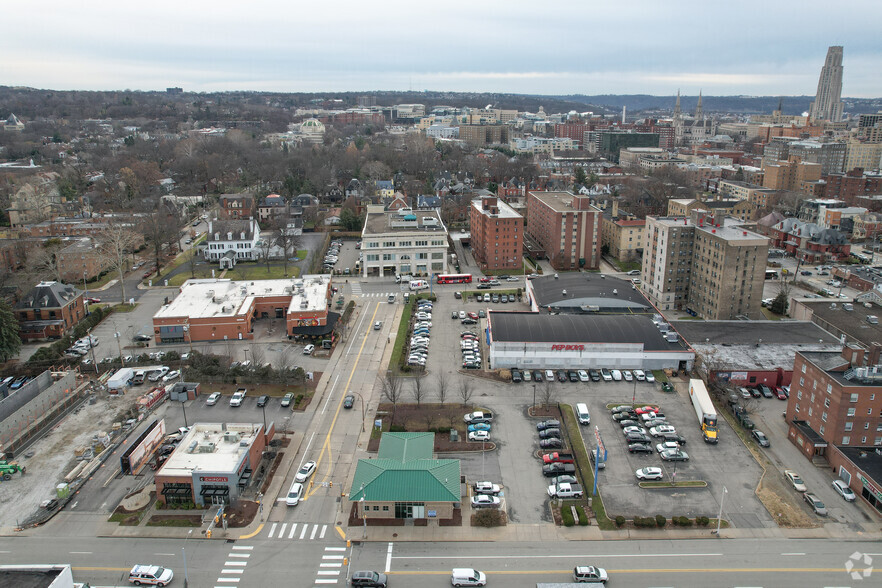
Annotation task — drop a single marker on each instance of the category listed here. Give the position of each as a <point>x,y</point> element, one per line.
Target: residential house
<point>271,208</point>
<point>82,260</point>
<point>810,242</point>
<point>236,206</point>
<point>231,241</point>
<point>385,188</point>
<point>49,311</point>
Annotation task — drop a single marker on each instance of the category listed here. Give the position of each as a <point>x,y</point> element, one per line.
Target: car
<point>646,409</point>
<point>666,445</point>
<point>844,491</point>
<point>815,504</point>
<point>606,375</point>
<point>485,280</point>
<point>485,501</point>
<point>305,471</point>
<point>295,493</point>
<point>590,575</point>
<point>638,438</point>
<point>479,427</point>
<point>549,375</point>
<point>457,295</point>
<point>262,400</point>
<point>551,443</point>
<point>555,469</point>
<point>649,473</point>
<point>634,429</point>
<point>662,430</point>
<point>511,279</point>
<point>548,424</point>
<point>622,408</point>
<point>471,334</point>
<point>528,375</point>
<point>561,376</point>
<point>760,438</point>
<point>462,314</point>
<point>468,321</point>
<point>745,393</point>
<point>755,392</point>
<point>537,375</point>
<point>94,300</point>
<point>564,479</point>
<point>171,376</point>
<point>479,436</point>
<point>494,298</point>
<point>623,423</point>
<point>503,298</point>
<point>486,488</point>
<point>795,480</point>
<point>148,574</point>
<point>573,376</point>
<point>625,416</point>
<point>484,286</point>
<point>516,375</point>
<point>372,579</point>
<point>629,377</point>
<point>806,273</point>
<point>583,376</point>
<point>639,448</point>
<point>378,325</point>
<point>616,375</point>
<point>495,282</point>
<point>674,455</point>
<point>765,390</point>
<point>549,433</point>
<point>639,375</point>
<point>594,375</point>
<point>656,422</point>
<point>213,398</point>
<point>780,394</point>
<point>237,398</point>
<point>308,349</point>
<point>287,399</point>
<point>454,315</point>
<point>674,438</point>
<point>157,375</point>
<point>650,377</point>
<point>482,314</point>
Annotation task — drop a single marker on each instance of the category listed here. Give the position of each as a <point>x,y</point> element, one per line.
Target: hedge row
<point>659,521</point>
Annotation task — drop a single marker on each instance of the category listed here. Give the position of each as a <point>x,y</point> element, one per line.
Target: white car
<point>616,375</point>
<point>649,474</point>
<point>485,501</point>
<point>479,436</point>
<point>305,471</point>
<point>640,375</point>
<point>843,490</point>
<point>171,376</point>
<point>295,493</point>
<point>549,375</point>
<point>650,377</point>
<point>662,430</point>
<point>158,374</point>
<point>583,376</point>
<point>667,445</point>
<point>634,429</point>
<point>628,376</point>
<point>486,488</point>
<point>308,349</point>
<point>462,314</point>
<point>237,398</point>
<point>212,400</point>
<point>795,480</point>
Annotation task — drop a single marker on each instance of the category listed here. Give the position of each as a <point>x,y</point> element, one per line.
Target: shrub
<point>703,521</point>
<point>620,520</point>
<point>583,518</point>
<point>685,522</point>
<point>487,517</point>
<point>644,522</point>
<point>566,516</point>
<point>397,428</point>
<point>660,521</point>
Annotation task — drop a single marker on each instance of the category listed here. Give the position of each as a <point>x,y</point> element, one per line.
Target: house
<point>427,201</point>
<point>13,125</point>
<point>271,207</point>
<point>48,311</point>
<point>333,217</point>
<point>405,485</point>
<point>304,200</point>
<point>230,241</point>
<point>385,188</point>
<point>354,189</point>
<point>236,206</point>
<point>82,260</point>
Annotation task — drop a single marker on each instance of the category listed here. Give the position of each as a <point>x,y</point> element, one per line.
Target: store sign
<point>213,479</point>
<point>568,348</point>
<point>869,486</point>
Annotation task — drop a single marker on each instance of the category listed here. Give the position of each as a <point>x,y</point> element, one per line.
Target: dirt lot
<point>54,457</point>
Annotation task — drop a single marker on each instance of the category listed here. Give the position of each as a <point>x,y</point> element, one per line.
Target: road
<point>688,563</point>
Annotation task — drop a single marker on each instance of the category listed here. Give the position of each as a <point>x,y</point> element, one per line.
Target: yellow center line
<point>326,445</point>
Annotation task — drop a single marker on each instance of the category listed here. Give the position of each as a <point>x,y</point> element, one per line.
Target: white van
<point>419,284</point>
<point>582,414</point>
<point>467,577</point>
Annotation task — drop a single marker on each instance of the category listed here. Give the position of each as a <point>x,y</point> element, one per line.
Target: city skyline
<point>640,47</point>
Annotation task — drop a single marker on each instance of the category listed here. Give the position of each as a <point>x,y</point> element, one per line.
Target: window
<point>799,394</point>
<point>849,425</point>
<point>877,441</point>
<point>827,402</point>
<point>373,244</point>
<point>863,440</point>
<point>386,508</point>
<point>376,507</point>
<point>797,407</point>
<point>854,397</point>
<point>824,416</point>
<point>803,369</point>
<point>846,440</point>
<point>850,412</point>
<point>866,426</point>
<point>388,243</point>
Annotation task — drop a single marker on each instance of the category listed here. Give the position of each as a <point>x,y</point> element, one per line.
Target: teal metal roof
<point>406,446</point>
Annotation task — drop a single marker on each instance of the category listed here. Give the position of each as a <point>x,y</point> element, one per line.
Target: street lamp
<point>184,554</point>
<point>720,516</point>
<point>362,407</point>
<point>184,409</point>
<point>246,354</point>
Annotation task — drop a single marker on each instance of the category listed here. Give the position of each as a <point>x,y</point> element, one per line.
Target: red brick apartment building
<point>568,228</point>
<point>497,234</point>
<point>834,414</point>
<point>49,311</point>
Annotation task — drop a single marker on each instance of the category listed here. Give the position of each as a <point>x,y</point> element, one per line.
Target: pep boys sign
<point>568,348</point>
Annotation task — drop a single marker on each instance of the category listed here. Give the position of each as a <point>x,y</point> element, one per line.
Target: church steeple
<point>677,112</point>
<point>698,108</point>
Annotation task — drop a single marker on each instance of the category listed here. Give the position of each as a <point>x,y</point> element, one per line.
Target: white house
<point>230,241</point>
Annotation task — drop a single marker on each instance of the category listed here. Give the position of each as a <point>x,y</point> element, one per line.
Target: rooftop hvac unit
<point>664,327</point>
<point>207,447</point>
<point>304,304</point>
<point>231,437</point>
<point>672,337</point>
<point>211,293</point>
<point>192,447</point>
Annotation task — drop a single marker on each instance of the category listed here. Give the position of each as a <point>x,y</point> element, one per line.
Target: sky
<point>770,47</point>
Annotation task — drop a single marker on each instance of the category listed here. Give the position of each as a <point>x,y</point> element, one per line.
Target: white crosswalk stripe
<point>296,531</point>
<point>356,288</point>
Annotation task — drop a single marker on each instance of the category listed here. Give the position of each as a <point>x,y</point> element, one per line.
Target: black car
<point>516,376</point>
<point>755,392</point>
<point>638,438</point>
<point>673,438</point>
<point>760,438</point>
<point>549,424</point>
<point>574,376</point>
<point>594,375</point>
<point>639,448</point>
<point>549,433</point>
<point>550,443</point>
<point>537,375</point>
<point>561,376</point>
<point>348,401</point>
<point>629,423</point>
<point>624,416</point>
<point>457,295</point>
<point>556,469</point>
<point>468,321</point>
<point>262,400</point>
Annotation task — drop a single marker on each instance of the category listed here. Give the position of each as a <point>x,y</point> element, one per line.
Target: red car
<point>485,280</point>
<point>646,409</point>
<point>780,393</point>
<point>93,300</point>
<point>473,315</point>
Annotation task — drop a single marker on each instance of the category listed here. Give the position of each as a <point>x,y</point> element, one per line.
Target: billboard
<point>139,452</point>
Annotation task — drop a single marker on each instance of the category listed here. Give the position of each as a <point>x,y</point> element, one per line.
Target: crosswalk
<point>377,294</point>
<point>234,566</point>
<point>331,566</point>
<point>356,288</point>
<point>297,531</point>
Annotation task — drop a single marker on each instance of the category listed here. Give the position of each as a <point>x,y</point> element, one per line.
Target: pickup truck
<point>238,397</point>
<point>478,417</point>
<point>558,457</point>
<point>557,469</point>
<point>565,490</point>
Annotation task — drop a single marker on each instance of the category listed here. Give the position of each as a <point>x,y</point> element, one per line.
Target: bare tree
<point>442,384</point>
<point>418,390</point>
<point>158,227</point>
<point>548,393</point>
<point>390,386</point>
<point>116,241</point>
<point>264,248</point>
<point>257,355</point>
<point>465,390</point>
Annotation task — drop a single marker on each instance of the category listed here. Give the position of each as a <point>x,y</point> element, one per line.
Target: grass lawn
<point>124,307</point>
<point>401,336</point>
<point>111,275</point>
<point>255,271</point>
<point>302,253</point>
<point>587,473</point>
<point>626,266</point>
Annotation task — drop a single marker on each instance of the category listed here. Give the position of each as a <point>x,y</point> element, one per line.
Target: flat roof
<point>195,451</point>
<point>851,322</point>
<point>222,297</point>
<point>31,576</point>
<point>560,201</point>
<point>531,327</point>
<point>383,222</point>
<point>505,211</point>
<point>584,289</point>
<point>868,459</point>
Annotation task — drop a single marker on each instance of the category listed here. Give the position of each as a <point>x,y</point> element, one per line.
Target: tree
<point>158,227</point>
<point>418,390</point>
<point>390,386</point>
<point>264,248</point>
<point>349,220</point>
<point>441,383</point>
<point>548,390</point>
<point>782,301</point>
<point>10,343</point>
<point>465,390</point>
<point>579,175</point>
<point>115,243</point>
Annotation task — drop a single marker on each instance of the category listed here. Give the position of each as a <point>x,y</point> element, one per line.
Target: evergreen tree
<point>10,343</point>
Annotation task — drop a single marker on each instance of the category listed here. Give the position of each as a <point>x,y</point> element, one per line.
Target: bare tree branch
<point>442,385</point>
<point>465,390</point>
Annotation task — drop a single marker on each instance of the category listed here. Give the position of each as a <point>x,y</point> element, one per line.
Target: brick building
<point>809,242</point>
<point>236,206</point>
<point>480,135</point>
<point>82,260</point>
<point>622,234</point>
<point>49,311</point>
<point>567,226</point>
<point>497,233</point>
<point>852,184</point>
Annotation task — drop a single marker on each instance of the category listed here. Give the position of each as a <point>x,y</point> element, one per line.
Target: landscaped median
<point>586,474</point>
<point>683,484</point>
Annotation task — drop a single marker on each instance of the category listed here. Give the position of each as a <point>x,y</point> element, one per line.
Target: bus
<point>453,279</point>
<point>771,274</point>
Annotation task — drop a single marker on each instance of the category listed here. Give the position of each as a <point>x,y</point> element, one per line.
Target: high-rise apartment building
<point>480,135</point>
<point>707,264</point>
<point>497,234</point>
<point>567,226</point>
<point>828,103</point>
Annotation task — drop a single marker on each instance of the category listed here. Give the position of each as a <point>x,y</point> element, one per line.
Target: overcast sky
<point>769,47</point>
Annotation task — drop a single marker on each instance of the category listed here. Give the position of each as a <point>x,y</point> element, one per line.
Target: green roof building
<point>406,482</point>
